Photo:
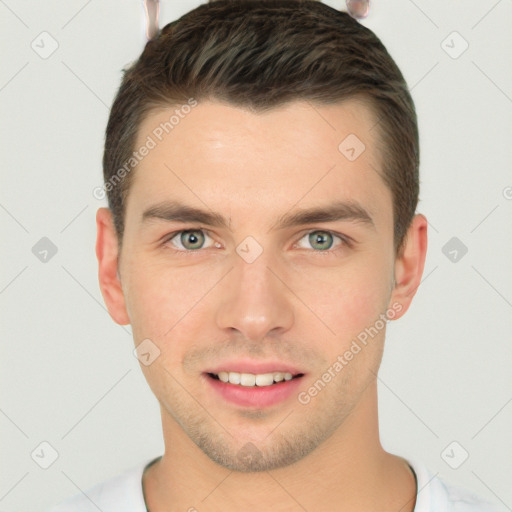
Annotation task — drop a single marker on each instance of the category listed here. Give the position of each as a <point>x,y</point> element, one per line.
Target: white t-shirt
<point>124,494</point>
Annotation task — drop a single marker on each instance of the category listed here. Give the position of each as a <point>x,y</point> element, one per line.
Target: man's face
<point>255,296</point>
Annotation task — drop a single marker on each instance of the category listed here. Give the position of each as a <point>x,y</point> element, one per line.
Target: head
<point>254,112</point>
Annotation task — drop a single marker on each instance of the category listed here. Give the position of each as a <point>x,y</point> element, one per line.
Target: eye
<point>192,240</point>
<point>322,241</point>
<point>188,240</point>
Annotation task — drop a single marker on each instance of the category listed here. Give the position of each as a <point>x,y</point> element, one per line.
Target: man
<point>261,164</point>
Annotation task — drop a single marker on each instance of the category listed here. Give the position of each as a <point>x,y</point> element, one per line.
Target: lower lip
<point>254,396</point>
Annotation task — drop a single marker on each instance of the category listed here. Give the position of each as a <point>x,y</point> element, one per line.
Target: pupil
<point>320,237</point>
<point>192,238</point>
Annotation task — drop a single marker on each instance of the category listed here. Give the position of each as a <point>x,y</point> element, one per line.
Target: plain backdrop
<point>68,374</point>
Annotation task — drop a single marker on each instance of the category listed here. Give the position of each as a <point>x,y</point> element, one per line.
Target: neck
<point>349,469</point>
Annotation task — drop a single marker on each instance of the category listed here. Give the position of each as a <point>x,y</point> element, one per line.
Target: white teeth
<point>234,377</point>
<point>248,379</point>
<point>265,379</point>
<point>251,379</point>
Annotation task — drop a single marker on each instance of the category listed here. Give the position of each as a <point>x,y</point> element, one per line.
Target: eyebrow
<point>175,211</point>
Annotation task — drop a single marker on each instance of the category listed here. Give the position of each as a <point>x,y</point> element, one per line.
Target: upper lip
<point>255,367</point>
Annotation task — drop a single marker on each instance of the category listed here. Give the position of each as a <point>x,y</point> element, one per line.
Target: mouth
<point>270,386</point>
<point>251,380</point>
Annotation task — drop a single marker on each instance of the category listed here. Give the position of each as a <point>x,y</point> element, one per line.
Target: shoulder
<point>437,495</point>
<point>122,493</point>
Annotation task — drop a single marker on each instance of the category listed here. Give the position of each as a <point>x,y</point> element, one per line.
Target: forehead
<point>218,154</point>
<point>307,127</point>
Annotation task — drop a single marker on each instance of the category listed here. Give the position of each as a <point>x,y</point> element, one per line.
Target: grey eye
<point>321,240</point>
<point>189,240</point>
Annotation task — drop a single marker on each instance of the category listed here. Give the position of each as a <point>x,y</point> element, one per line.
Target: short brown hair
<point>260,54</point>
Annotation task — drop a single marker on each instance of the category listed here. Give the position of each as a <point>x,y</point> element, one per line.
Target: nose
<point>255,299</point>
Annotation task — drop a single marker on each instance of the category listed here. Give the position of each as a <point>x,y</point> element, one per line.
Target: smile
<point>252,379</point>
<point>254,390</point>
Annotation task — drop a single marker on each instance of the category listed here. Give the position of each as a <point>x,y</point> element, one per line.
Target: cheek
<point>159,297</point>
<point>349,298</point>
<point>162,304</point>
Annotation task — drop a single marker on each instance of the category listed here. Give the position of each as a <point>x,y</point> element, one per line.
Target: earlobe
<point>108,270</point>
<point>409,264</point>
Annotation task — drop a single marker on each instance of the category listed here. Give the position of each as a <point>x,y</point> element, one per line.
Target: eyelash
<point>346,242</point>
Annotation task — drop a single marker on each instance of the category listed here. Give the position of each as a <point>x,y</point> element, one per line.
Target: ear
<point>107,254</point>
<point>409,264</point>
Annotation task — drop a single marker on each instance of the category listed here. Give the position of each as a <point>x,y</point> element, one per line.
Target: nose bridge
<point>252,270</point>
<point>256,301</point>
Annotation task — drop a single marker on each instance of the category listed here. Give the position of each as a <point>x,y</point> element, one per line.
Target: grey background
<point>67,372</point>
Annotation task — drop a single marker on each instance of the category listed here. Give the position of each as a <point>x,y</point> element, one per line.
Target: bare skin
<point>296,303</point>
